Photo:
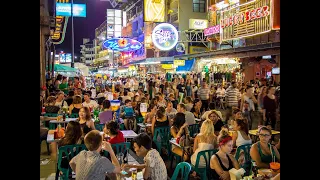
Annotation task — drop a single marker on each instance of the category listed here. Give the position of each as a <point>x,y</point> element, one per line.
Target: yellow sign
<point>197,49</point>
<point>167,66</point>
<point>179,62</point>
<point>57,34</point>
<point>154,10</point>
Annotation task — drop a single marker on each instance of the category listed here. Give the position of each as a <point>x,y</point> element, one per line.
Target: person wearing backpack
<point>127,114</point>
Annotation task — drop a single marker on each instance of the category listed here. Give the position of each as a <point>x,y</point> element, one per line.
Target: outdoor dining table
<point>129,134</point>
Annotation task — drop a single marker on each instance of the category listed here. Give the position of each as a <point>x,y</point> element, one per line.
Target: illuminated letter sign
<point>165,36</point>
<point>212,30</point>
<point>154,10</point>
<point>235,22</point>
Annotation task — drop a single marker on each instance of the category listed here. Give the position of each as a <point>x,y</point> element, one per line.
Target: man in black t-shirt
<point>162,87</point>
<point>181,87</point>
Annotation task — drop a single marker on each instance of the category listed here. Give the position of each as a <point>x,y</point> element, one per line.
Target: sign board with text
<point>179,62</point>
<point>245,20</point>
<point>64,9</point>
<point>198,23</point>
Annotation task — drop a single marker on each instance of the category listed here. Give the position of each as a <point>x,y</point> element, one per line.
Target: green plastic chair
<point>185,171</point>
<point>247,165</point>
<point>193,129</point>
<point>139,119</point>
<point>68,152</point>
<point>121,126</point>
<point>51,114</point>
<point>119,147</point>
<point>74,115</point>
<point>99,127</point>
<point>164,134</point>
<point>206,155</point>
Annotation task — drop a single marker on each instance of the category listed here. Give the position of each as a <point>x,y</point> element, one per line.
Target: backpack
<point>128,111</point>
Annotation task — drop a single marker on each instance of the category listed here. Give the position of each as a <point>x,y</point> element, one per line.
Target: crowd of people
<point>176,104</point>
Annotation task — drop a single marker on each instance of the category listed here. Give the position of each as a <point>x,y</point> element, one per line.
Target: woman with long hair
<point>205,140</point>
<point>241,135</point>
<point>196,109</point>
<point>188,88</point>
<point>85,120</point>
<point>270,107</point>
<point>160,120</point>
<point>76,105</point>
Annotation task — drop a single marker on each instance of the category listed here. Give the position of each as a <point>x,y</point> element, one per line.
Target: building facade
<point>87,51</point>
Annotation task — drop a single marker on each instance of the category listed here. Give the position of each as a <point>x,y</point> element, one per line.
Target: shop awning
<point>187,66</point>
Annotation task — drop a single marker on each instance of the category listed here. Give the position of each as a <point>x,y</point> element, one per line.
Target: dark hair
<point>196,101</point>
<point>179,120</point>
<point>157,98</point>
<point>182,106</point>
<point>188,98</point>
<point>93,140</point>
<point>88,114</point>
<point>268,88</point>
<point>113,127</point>
<point>59,77</point>
<point>64,77</point>
<point>161,112</point>
<point>235,110</point>
<point>143,100</point>
<point>243,123</point>
<point>77,99</point>
<point>106,104</point>
<point>134,98</point>
<point>248,87</point>
<point>76,78</point>
<point>266,129</point>
<point>151,106</point>
<point>87,94</point>
<point>125,93</point>
<point>72,134</point>
<point>212,106</point>
<point>127,101</point>
<point>71,93</point>
<point>144,140</point>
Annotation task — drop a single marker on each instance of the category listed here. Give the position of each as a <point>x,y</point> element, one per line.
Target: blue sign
<point>122,44</point>
<point>64,9</point>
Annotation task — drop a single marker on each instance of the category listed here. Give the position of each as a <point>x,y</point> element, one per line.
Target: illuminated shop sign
<point>154,10</point>
<point>212,30</point>
<point>122,44</point>
<point>165,36</point>
<point>198,23</point>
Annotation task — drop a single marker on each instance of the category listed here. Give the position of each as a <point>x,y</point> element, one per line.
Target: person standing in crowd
<point>57,82</point>
<point>270,107</point>
<point>203,94</point>
<point>232,99</point>
<point>181,87</point>
<point>247,104</point>
<point>50,87</point>
<point>64,85</point>
<point>189,88</point>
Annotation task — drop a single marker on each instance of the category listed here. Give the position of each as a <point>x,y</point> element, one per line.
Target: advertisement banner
<point>179,62</point>
<point>197,49</point>
<point>245,20</point>
<point>212,30</point>
<point>57,34</point>
<point>167,66</point>
<point>64,9</point>
<point>198,23</point>
<point>154,10</point>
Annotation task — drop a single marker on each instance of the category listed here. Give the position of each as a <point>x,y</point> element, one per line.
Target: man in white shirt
<point>181,108</point>
<point>88,102</point>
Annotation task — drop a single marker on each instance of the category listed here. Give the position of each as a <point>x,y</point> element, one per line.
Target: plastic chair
<point>119,148</point>
<point>185,170</point>
<point>99,127</point>
<point>206,155</point>
<point>50,114</point>
<point>105,117</point>
<point>68,152</point>
<point>193,129</point>
<point>164,134</point>
<point>74,115</point>
<point>246,165</point>
<point>121,126</point>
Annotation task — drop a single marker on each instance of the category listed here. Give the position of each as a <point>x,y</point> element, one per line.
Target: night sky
<point>83,27</point>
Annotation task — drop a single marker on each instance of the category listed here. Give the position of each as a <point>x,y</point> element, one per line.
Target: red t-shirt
<point>118,139</point>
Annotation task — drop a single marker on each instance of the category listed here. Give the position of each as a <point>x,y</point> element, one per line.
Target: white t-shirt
<point>92,103</point>
<point>221,92</point>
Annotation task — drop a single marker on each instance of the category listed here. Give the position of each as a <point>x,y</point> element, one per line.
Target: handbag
<point>52,109</point>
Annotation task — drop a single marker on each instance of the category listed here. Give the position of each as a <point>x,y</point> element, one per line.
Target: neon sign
<point>246,20</point>
<point>165,36</point>
<point>212,30</point>
<point>122,44</point>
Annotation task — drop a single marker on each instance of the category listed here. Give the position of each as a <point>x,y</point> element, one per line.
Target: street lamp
<point>72,35</point>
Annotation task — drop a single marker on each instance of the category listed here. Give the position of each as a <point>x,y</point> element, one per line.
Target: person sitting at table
<point>60,102</point>
<point>90,164</point>
<point>50,105</point>
<point>189,115</point>
<point>241,135</point>
<point>216,118</point>
<point>112,130</point>
<point>154,167</point>
<point>196,110</point>
<point>205,140</point>
<point>152,110</point>
<point>127,113</point>
<point>170,112</point>
<point>188,103</point>
<point>69,99</point>
<point>262,152</point>
<point>236,114</point>
<point>178,129</point>
<point>160,120</point>
<point>223,161</point>
<point>89,102</point>
<point>212,106</point>
<point>76,105</point>
<point>85,120</point>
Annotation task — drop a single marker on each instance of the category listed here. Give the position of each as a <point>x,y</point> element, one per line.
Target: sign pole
<point>72,48</point>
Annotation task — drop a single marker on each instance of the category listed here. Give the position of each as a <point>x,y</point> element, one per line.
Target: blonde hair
<point>207,128</point>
